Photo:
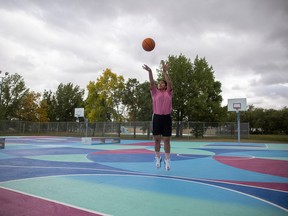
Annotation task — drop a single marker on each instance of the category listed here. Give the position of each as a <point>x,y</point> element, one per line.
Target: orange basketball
<point>148,44</point>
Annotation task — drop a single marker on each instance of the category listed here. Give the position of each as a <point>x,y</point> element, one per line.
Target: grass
<point>272,138</point>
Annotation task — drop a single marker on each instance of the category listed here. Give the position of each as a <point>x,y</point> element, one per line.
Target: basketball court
<point>63,176</point>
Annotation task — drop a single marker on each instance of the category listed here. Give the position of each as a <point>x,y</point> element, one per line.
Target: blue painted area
<point>241,145</point>
<point>136,158</point>
<point>206,168</point>
<point>48,151</point>
<point>161,184</point>
<point>194,176</point>
<point>5,156</point>
<point>272,196</point>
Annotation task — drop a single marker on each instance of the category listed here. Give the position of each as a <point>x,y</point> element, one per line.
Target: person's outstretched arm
<point>166,76</point>
<point>151,79</point>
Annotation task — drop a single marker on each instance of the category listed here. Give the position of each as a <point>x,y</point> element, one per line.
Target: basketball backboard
<point>237,104</point>
<point>79,112</point>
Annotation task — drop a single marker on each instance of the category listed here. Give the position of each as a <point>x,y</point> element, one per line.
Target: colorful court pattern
<point>61,176</point>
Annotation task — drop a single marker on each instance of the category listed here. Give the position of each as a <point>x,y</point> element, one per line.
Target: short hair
<point>163,81</point>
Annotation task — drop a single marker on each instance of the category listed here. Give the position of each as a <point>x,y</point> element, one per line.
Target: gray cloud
<point>74,41</point>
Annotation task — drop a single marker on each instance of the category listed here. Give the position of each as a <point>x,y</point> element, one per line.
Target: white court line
<point>53,201</point>
<point>236,157</point>
<point>148,175</point>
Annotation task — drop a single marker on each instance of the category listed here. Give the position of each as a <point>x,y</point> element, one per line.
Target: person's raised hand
<point>147,68</point>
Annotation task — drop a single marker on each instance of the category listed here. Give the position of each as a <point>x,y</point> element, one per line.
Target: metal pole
<point>86,130</point>
<point>238,121</point>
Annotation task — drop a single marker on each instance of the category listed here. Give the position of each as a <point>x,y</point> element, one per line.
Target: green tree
<point>271,121</point>
<point>48,106</point>
<point>68,97</point>
<point>104,101</point>
<point>196,94</point>
<point>206,103</point>
<point>131,99</point>
<point>137,99</point>
<point>181,74</point>
<point>144,111</point>
<point>284,120</point>
<point>13,93</point>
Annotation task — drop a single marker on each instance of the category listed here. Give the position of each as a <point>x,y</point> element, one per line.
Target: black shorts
<point>162,125</point>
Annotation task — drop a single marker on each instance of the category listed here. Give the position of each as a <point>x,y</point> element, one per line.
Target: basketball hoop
<point>79,112</point>
<point>237,104</point>
<point>237,107</point>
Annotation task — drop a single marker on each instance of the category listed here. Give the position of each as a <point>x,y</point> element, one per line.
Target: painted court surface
<point>61,176</point>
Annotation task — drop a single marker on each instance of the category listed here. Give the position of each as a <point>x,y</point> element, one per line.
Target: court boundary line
<point>54,201</point>
<point>149,175</point>
<point>125,172</point>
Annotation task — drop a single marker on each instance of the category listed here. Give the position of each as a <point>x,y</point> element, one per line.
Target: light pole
<point>2,77</point>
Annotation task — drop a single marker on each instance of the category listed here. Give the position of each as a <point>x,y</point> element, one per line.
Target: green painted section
<point>277,146</point>
<point>62,158</point>
<point>98,196</point>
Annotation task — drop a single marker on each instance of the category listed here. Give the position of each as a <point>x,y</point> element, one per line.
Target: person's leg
<point>156,119</point>
<point>167,132</point>
<point>167,147</point>
<point>167,152</point>
<point>157,146</point>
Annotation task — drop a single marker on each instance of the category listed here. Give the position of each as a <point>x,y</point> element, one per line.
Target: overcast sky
<point>49,42</point>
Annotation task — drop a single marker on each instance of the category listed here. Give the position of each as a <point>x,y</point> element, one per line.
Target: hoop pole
<point>86,128</point>
<point>238,123</point>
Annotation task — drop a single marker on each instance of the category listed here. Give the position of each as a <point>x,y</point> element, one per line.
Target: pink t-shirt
<point>162,101</point>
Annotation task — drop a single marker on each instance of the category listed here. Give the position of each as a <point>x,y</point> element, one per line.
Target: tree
<point>206,103</point>
<point>181,74</point>
<point>48,106</point>
<point>144,111</point>
<point>43,111</point>
<point>30,107</point>
<point>60,106</point>
<point>104,101</point>
<point>67,99</point>
<point>196,94</point>
<point>13,93</point>
<point>130,99</point>
<point>284,120</point>
<point>137,99</point>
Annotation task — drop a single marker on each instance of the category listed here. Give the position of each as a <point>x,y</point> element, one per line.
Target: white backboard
<point>237,104</point>
<point>79,112</point>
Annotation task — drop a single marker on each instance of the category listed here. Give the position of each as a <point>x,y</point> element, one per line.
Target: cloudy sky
<point>53,42</point>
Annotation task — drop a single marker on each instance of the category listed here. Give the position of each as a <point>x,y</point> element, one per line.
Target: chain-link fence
<point>135,130</point>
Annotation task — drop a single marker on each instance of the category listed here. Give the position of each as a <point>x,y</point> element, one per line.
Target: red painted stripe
<point>13,203</point>
<point>268,185</point>
<point>266,166</point>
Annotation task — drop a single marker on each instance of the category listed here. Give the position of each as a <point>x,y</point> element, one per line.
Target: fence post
<point>2,143</point>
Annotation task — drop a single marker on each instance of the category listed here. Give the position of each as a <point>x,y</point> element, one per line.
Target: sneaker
<point>158,162</point>
<point>167,164</point>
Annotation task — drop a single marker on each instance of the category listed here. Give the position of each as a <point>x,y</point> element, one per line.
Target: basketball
<point>148,44</point>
